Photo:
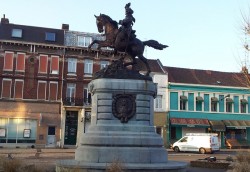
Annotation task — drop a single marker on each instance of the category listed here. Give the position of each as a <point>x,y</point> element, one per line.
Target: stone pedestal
<point>122,130</point>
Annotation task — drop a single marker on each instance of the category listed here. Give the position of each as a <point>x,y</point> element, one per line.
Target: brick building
<point>30,75</point>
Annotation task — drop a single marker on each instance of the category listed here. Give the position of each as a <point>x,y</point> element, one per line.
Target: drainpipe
<point>62,79</point>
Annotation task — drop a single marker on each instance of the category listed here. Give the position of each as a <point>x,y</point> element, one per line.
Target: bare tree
<point>244,77</point>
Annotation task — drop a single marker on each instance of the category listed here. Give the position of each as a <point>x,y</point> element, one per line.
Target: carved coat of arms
<point>124,106</point>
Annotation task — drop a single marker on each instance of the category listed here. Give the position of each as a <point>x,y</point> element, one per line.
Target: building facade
<point>79,66</point>
<point>30,63</point>
<point>202,101</point>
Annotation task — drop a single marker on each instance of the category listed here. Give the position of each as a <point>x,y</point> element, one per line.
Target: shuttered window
<point>18,89</point>
<point>6,88</point>
<point>54,64</point>
<point>41,91</point>
<point>53,91</point>
<point>43,63</point>
<point>20,62</point>
<point>8,61</point>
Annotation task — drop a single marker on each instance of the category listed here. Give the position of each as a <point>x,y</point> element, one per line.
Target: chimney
<point>4,20</point>
<point>65,27</point>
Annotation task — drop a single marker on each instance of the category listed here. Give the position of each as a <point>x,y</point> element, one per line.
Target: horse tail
<point>154,44</point>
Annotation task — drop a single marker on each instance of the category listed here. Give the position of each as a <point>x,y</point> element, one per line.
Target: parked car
<point>198,142</point>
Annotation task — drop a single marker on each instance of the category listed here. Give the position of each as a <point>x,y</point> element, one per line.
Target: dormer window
<point>16,33</point>
<point>84,41</point>
<point>49,36</point>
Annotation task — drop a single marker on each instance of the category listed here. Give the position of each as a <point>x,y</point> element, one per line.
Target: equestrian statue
<point>123,39</point>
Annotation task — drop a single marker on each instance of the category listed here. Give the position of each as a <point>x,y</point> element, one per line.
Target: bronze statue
<point>124,39</point>
<point>125,30</point>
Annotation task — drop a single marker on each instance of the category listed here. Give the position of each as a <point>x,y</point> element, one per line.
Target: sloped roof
<point>154,64</point>
<point>31,34</point>
<point>206,77</point>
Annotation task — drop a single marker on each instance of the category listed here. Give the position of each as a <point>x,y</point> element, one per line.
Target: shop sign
<point>239,127</point>
<point>189,125</point>
<point>2,132</point>
<point>26,133</point>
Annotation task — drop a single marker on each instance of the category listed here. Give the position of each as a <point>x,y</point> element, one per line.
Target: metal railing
<point>76,101</point>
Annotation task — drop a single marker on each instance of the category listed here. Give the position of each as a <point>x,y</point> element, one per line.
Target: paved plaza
<point>48,157</point>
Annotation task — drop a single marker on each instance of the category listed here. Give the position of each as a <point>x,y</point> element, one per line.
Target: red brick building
<point>30,75</point>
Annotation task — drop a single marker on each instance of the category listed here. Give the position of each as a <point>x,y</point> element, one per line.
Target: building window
<point>49,36</point>
<point>70,94</point>
<point>54,66</point>
<point>43,63</point>
<point>72,65</point>
<point>19,130</point>
<point>229,107</point>
<point>183,103</point>
<point>6,88</point>
<point>199,101</point>
<point>53,90</point>
<point>103,64</point>
<point>214,104</point>
<point>243,106</point>
<point>88,66</point>
<point>16,33</point>
<point>41,90</point>
<point>86,96</point>
<point>158,102</point>
<point>158,130</point>
<point>84,41</point>
<point>20,62</point>
<point>8,61</point>
<point>18,94</point>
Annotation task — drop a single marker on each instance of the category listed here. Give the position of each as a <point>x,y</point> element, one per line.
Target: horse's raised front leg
<point>100,44</point>
<point>92,43</point>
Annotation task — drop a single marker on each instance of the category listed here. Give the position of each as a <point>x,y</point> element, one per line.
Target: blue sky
<point>201,34</point>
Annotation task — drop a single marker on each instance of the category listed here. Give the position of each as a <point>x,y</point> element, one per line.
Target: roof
<point>206,77</point>
<point>154,64</point>
<point>31,34</point>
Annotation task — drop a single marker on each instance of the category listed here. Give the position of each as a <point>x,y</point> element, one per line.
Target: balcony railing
<point>76,101</point>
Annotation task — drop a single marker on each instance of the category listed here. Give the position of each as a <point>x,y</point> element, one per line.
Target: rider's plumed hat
<point>128,9</point>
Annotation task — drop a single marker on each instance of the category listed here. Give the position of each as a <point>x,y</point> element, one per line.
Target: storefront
<point>180,126</point>
<point>237,132</point>
<point>18,131</point>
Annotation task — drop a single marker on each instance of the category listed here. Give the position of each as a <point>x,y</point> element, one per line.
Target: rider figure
<point>129,20</point>
<point>125,30</point>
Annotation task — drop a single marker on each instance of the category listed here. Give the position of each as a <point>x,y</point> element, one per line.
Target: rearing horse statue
<point>130,45</point>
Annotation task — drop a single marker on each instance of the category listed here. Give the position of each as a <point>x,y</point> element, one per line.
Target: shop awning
<point>217,125</point>
<point>236,124</point>
<point>243,101</point>
<point>229,100</point>
<point>199,99</point>
<point>214,99</point>
<point>183,98</point>
<point>190,122</point>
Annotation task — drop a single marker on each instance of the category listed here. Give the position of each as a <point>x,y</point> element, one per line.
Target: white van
<point>198,142</point>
